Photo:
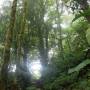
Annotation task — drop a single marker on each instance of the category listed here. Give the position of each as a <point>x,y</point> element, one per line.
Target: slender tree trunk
<point>25,56</point>
<point>60,30</point>
<point>69,42</point>
<point>20,39</point>
<point>8,43</point>
<point>46,44</point>
<point>42,48</point>
<point>20,47</point>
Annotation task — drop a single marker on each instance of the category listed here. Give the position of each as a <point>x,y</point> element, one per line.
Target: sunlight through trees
<point>44,45</point>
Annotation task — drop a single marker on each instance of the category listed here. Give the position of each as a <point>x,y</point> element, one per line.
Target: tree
<point>59,28</point>
<point>8,44</point>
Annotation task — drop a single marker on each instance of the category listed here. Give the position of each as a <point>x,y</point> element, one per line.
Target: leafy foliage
<point>54,32</point>
<point>79,67</point>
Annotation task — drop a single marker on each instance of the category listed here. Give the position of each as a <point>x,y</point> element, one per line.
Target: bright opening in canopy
<point>12,68</point>
<point>35,68</point>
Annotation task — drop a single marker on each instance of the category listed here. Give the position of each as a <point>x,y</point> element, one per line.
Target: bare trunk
<point>46,44</point>
<point>69,42</point>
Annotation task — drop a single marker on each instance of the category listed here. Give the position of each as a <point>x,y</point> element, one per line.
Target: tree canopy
<point>45,45</point>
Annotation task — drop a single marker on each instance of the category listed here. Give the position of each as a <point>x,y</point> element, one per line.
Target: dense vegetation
<point>54,33</point>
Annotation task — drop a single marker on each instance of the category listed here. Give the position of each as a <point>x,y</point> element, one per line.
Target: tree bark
<point>21,45</point>
<point>8,43</point>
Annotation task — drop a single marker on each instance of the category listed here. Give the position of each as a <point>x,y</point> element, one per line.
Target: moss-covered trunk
<point>8,43</point>
<point>21,46</point>
<point>20,38</point>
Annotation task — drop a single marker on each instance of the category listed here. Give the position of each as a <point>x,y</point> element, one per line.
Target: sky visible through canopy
<point>64,24</point>
<point>1,2</point>
<point>36,67</point>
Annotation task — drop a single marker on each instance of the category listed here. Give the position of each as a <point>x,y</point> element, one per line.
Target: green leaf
<point>79,67</point>
<point>77,17</point>
<point>82,14</point>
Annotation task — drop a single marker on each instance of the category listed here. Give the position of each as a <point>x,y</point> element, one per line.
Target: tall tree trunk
<point>46,44</point>
<point>20,39</point>
<point>43,44</point>
<point>8,43</point>
<point>42,48</point>
<point>25,49</point>
<point>60,30</point>
<point>68,40</point>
